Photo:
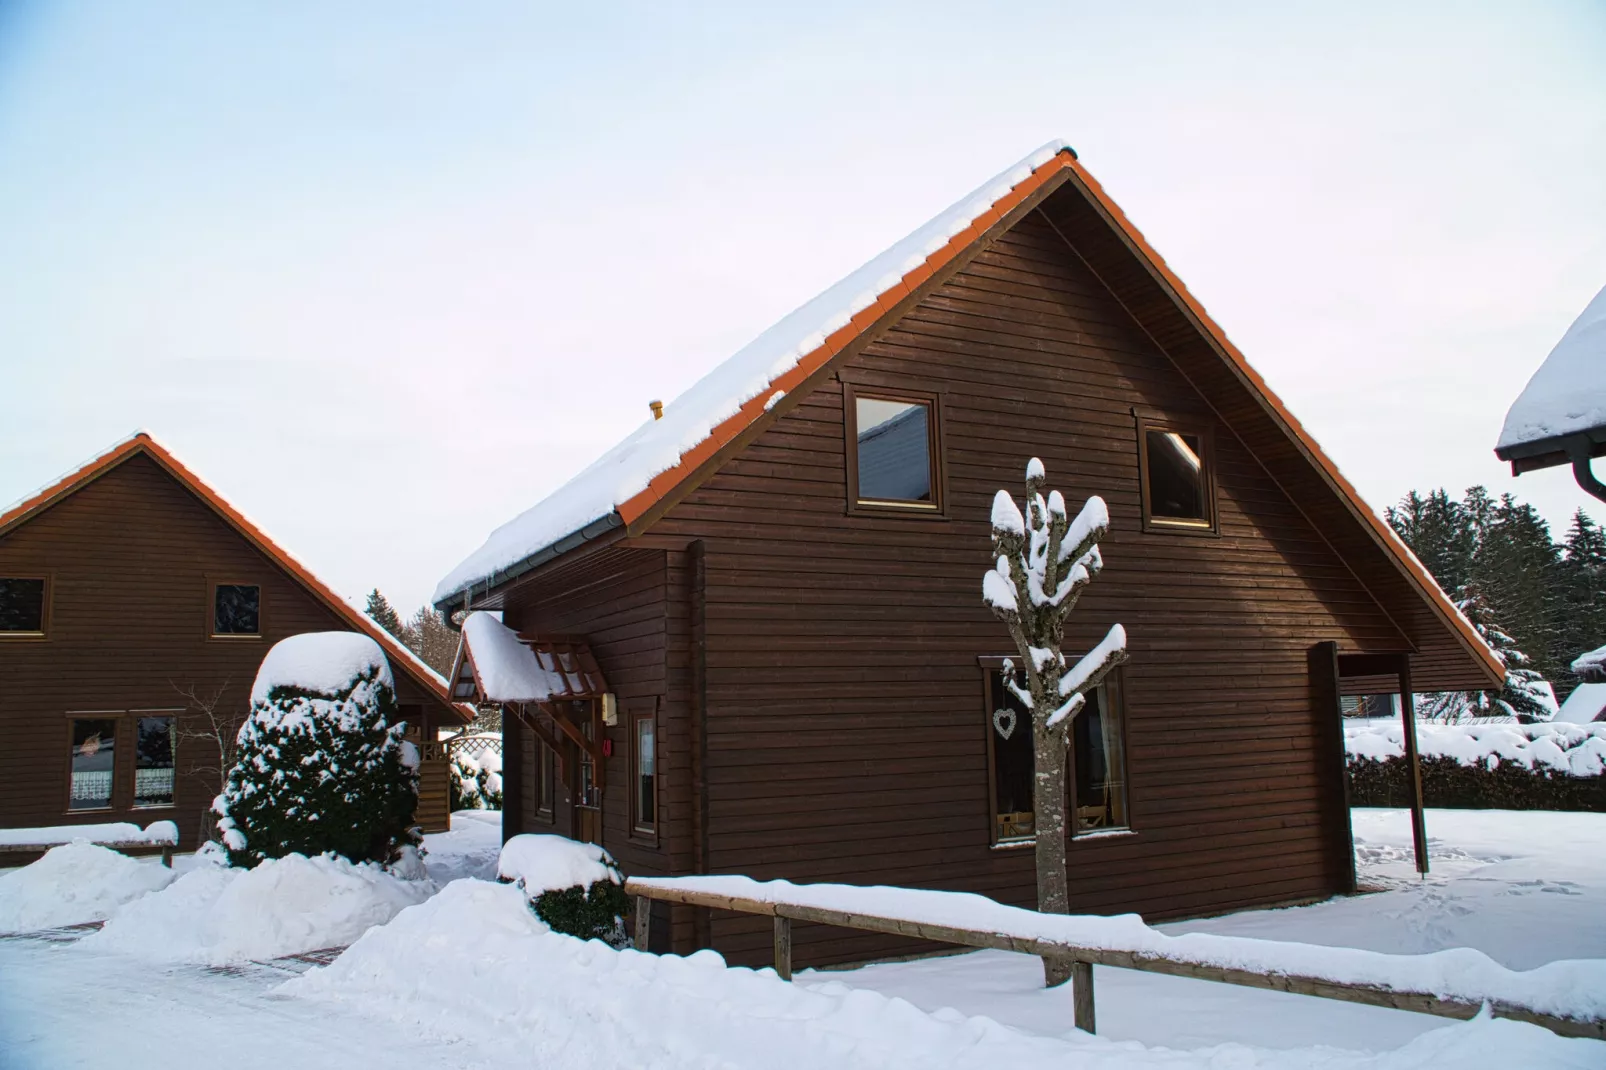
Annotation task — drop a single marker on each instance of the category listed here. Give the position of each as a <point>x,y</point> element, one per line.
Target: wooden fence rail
<point>152,846</point>
<point>1083,959</point>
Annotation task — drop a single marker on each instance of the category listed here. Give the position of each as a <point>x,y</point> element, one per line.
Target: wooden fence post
<point>643,921</point>
<point>783,947</point>
<point>1082,995</point>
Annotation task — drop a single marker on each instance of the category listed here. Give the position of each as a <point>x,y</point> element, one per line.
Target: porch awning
<point>496,664</point>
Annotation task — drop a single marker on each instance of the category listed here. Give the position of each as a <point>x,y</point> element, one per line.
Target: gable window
<point>645,784</point>
<point>1178,484</point>
<point>22,605</point>
<point>93,762</point>
<point>893,453</point>
<point>236,609</point>
<point>153,760</point>
<point>1097,761</point>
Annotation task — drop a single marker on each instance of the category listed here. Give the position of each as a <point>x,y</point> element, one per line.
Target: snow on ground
<point>285,906</point>
<point>72,884</point>
<point>1526,888</point>
<point>470,849</point>
<point>472,979</point>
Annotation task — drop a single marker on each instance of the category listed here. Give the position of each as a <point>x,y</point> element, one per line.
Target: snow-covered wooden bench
<point>117,835</point>
<point>1567,997</point>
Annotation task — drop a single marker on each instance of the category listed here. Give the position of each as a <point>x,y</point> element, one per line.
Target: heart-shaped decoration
<point>1004,720</point>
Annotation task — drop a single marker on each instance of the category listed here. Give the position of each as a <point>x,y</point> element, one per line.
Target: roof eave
<point>1553,451</point>
<point>463,597</point>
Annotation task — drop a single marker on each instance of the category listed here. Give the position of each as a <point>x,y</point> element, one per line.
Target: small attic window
<point>1178,484</point>
<point>894,462</point>
<point>22,606</point>
<point>236,609</point>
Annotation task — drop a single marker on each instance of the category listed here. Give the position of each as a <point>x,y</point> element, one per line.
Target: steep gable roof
<point>632,484</point>
<point>142,444</point>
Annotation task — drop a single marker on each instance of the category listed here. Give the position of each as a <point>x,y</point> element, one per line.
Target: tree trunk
<point>1053,883</point>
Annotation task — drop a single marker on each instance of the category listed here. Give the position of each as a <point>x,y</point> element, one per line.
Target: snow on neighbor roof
<point>1586,705</point>
<point>320,661</point>
<point>1567,395</point>
<point>1591,666</point>
<point>143,441</point>
<point>657,446</point>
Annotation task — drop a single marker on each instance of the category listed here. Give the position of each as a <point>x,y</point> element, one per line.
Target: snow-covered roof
<point>625,471</point>
<point>1591,666</point>
<point>1567,395</point>
<point>1585,705</point>
<point>320,661</point>
<point>505,668</point>
<point>142,441</point>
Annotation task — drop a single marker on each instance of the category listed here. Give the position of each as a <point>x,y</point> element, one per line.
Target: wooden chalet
<point>779,583</point>
<point>128,590</point>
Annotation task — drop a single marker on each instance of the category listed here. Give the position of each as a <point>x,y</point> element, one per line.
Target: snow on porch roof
<point>624,481</point>
<point>1567,395</point>
<point>496,664</point>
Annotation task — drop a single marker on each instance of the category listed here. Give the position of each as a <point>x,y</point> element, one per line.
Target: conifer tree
<point>1524,693</point>
<point>1043,561</point>
<point>385,615</point>
<point>320,764</point>
<point>1580,597</point>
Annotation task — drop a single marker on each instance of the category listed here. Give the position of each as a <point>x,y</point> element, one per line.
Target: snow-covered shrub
<point>573,887</point>
<point>1481,766</point>
<point>321,765</point>
<point>476,779</point>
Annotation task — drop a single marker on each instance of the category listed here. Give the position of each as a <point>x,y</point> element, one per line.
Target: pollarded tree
<point>320,764</point>
<point>1043,563</point>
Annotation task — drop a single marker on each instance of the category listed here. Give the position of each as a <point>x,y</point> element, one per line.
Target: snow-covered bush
<point>1481,766</point>
<point>321,765</point>
<point>476,782</point>
<point>574,887</point>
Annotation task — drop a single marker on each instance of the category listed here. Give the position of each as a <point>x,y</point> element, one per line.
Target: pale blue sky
<point>387,273</point>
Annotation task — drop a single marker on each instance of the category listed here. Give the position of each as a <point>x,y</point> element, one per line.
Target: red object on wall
<point>607,748</point>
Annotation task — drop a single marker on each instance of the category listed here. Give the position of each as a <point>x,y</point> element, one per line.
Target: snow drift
<point>75,883</point>
<point>473,963</point>
<point>285,906</point>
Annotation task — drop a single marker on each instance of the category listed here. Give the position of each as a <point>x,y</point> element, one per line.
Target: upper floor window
<point>22,605</point>
<point>1178,484</point>
<point>894,460</point>
<point>236,609</point>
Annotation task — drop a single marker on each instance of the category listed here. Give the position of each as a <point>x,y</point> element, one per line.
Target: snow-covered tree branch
<point>1042,562</point>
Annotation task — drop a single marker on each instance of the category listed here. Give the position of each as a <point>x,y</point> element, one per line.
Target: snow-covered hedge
<point>476,777</point>
<point>574,887</point>
<point>321,763</point>
<point>1551,766</point>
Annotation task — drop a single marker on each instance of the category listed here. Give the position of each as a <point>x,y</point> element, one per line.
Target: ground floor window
<point>646,779</point>
<point>545,783</point>
<point>153,761</point>
<point>93,762</point>
<point>1097,762</point>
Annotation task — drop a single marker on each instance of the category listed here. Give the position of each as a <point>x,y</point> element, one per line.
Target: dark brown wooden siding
<point>619,601</point>
<point>845,726</point>
<point>131,557</point>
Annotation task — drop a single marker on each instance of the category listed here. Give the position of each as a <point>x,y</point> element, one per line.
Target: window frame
<point>937,508</point>
<point>1115,698</point>
<point>211,610</point>
<point>49,580</point>
<point>647,711</point>
<point>1209,526</point>
<point>117,717</point>
<point>546,788</point>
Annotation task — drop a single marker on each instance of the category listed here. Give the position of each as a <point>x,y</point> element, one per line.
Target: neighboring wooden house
<point>125,585</point>
<point>782,600</point>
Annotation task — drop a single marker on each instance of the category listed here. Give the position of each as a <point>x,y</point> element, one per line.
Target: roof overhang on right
<point>1449,654</point>
<point>1560,416</point>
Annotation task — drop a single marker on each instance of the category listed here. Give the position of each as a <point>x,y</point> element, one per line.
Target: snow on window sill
<point>1102,834</point>
<point>1011,845</point>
